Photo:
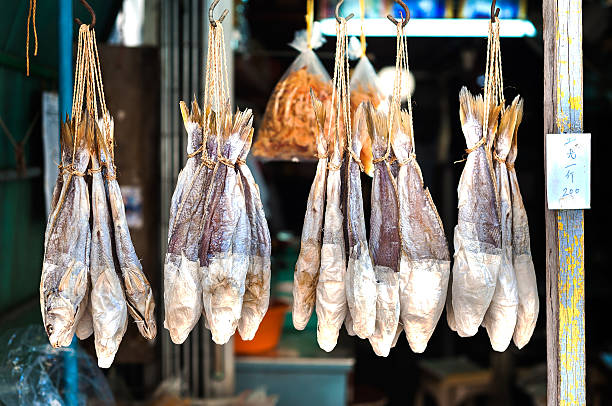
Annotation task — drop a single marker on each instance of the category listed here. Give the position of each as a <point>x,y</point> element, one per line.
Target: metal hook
<point>93,15</point>
<point>210,14</point>
<point>406,10</point>
<point>338,12</point>
<point>494,13</point>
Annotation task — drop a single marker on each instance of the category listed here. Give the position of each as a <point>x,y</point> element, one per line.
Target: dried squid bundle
<point>182,273</point>
<point>529,304</point>
<point>224,251</point>
<point>331,303</point>
<point>385,242</point>
<point>65,272</point>
<point>500,318</point>
<point>306,274</point>
<point>477,237</point>
<point>360,277</point>
<point>257,284</point>
<point>138,293</point>
<point>108,305</point>
<point>425,260</point>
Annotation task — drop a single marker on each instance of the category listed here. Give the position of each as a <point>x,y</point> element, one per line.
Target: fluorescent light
<point>433,27</point>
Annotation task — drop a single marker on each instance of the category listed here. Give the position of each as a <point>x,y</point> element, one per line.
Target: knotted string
<point>340,100</point>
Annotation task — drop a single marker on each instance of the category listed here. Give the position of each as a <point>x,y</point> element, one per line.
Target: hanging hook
<point>494,13</point>
<point>348,17</point>
<point>210,14</point>
<point>93,15</point>
<point>406,11</point>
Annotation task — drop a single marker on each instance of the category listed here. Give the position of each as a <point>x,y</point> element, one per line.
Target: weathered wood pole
<point>563,105</point>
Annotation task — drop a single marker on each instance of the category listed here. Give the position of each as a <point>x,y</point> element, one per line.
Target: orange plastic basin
<point>267,335</point>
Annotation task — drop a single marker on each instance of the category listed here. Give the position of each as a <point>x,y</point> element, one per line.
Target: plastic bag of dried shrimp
<point>288,129</point>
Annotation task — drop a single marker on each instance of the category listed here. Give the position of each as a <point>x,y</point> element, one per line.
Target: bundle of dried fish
<point>224,251</point>
<point>500,318</point>
<point>529,305</point>
<point>477,237</point>
<point>108,305</point>
<point>385,242</point>
<point>182,274</point>
<point>306,274</point>
<point>65,273</point>
<point>425,260</point>
<point>331,303</point>
<point>138,293</point>
<point>360,277</point>
<point>257,285</point>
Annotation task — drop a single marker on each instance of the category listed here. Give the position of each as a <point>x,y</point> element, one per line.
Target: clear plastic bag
<point>288,127</point>
<point>33,373</point>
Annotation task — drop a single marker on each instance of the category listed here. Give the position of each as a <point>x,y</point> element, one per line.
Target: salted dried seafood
<point>529,305</point>
<point>331,303</point>
<point>306,274</point>
<point>138,293</point>
<point>500,318</point>
<point>477,238</point>
<point>108,305</point>
<point>65,270</point>
<point>224,247</point>
<point>257,285</point>
<point>385,241</point>
<point>425,260</point>
<point>182,273</point>
<point>360,277</point>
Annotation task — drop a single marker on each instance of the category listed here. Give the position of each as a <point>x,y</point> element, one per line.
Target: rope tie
<point>223,160</point>
<point>241,162</point>
<point>378,160</point>
<point>324,156</point>
<point>91,171</point>
<point>406,161</point>
<point>498,158</point>
<point>334,167</point>
<point>356,158</point>
<point>196,152</point>
<point>474,147</point>
<point>209,163</point>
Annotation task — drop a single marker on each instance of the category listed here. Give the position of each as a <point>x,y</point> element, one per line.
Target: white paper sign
<point>568,171</point>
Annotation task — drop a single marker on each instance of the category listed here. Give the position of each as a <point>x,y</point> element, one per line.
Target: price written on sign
<point>568,171</point>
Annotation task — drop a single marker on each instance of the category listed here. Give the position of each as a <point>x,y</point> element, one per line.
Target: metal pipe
<point>64,20</point>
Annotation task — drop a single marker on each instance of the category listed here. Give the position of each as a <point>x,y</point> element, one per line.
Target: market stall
<point>228,221</point>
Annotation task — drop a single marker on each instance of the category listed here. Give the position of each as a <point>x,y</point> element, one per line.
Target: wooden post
<point>563,106</point>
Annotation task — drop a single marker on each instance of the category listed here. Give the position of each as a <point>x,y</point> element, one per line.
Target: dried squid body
<point>108,305</point>
<point>257,286</point>
<point>331,303</point>
<point>500,318</point>
<point>385,243</point>
<point>529,304</point>
<point>224,249</point>
<point>138,293</point>
<point>360,277</point>
<point>425,260</point>
<point>477,236</point>
<point>306,275</point>
<point>65,272</point>
<point>182,274</point>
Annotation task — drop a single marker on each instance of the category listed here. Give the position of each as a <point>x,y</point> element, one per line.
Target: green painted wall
<point>22,208</point>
